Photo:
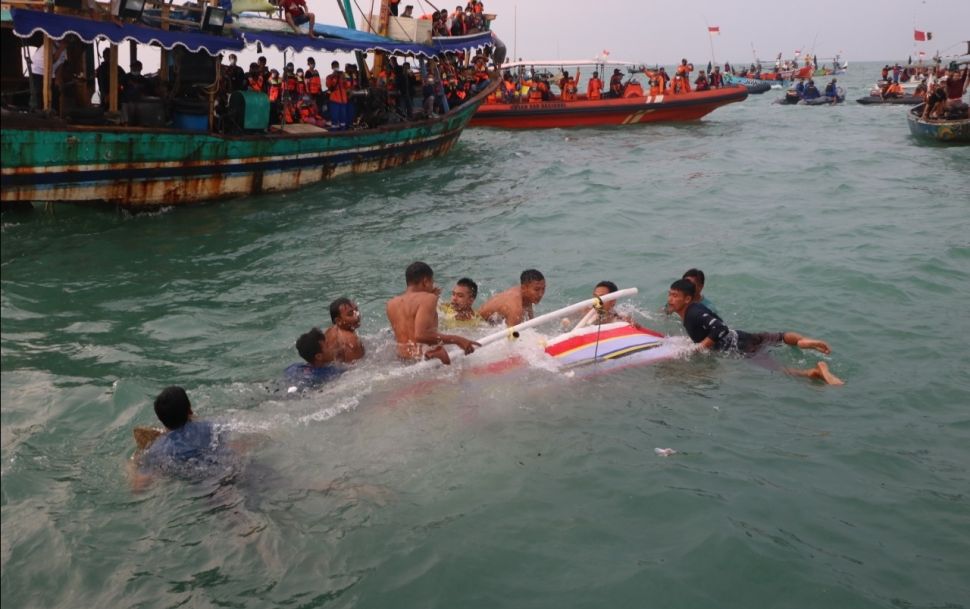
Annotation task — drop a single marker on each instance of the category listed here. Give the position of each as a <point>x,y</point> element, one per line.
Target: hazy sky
<point>651,32</point>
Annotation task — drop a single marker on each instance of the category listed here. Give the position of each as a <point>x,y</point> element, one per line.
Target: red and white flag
<point>798,52</point>
<point>606,53</point>
<point>918,35</point>
<point>714,30</point>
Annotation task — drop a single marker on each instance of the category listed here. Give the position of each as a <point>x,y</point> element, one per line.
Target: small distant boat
<point>775,80</point>
<point>792,98</point>
<point>878,100</point>
<point>758,88</point>
<point>949,131</point>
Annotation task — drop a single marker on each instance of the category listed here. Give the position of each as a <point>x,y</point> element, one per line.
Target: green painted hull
<point>135,167</point>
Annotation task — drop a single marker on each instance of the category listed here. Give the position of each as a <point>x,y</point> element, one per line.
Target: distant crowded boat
<point>199,138</point>
<point>534,98</point>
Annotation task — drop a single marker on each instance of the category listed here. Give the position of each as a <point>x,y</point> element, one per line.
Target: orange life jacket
<point>594,88</point>
<point>313,84</point>
<point>535,95</point>
<point>256,83</point>
<point>275,88</point>
<point>338,85</point>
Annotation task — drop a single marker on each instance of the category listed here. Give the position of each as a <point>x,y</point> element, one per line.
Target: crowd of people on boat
<point>532,85</point>
<point>462,21</point>
<point>345,98</point>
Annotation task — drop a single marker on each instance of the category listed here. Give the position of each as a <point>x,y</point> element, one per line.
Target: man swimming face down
<point>414,318</point>
<point>515,305</point>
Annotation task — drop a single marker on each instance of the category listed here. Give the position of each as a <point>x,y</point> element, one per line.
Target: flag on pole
<point>714,30</point>
<point>919,36</point>
<point>606,53</point>
<point>798,52</point>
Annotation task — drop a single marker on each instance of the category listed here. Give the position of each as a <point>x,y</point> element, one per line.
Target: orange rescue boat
<point>633,106</point>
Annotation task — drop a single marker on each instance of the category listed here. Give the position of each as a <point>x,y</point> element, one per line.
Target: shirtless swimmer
<point>414,319</point>
<point>514,305</point>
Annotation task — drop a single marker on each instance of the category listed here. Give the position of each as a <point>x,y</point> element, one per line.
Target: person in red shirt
<point>296,14</point>
<point>956,84</point>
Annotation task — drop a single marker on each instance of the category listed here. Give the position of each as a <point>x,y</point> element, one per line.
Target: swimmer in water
<point>414,319</point>
<point>342,336</point>
<point>460,311</point>
<point>514,305</point>
<point>709,332</point>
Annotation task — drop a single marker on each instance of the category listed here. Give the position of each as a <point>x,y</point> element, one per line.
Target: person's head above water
<point>172,407</point>
<point>602,289</point>
<point>419,274</point>
<point>533,285</point>
<point>344,314</point>
<point>310,346</point>
<point>463,294</point>
<point>680,296</point>
<point>696,276</point>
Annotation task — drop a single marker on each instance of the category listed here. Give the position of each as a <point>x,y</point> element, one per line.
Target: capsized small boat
<point>611,345</point>
<point>947,131</point>
<point>634,106</point>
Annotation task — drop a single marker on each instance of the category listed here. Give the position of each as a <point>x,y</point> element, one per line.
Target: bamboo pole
<point>113,79</point>
<point>48,64</point>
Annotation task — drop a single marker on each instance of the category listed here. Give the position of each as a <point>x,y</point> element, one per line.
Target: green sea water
<point>528,488</point>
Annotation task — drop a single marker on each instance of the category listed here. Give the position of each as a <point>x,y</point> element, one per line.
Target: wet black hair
<point>530,275</point>
<point>609,285</point>
<point>172,407</point>
<point>335,307</point>
<point>471,285</point>
<point>696,274</point>
<point>308,345</point>
<point>685,286</point>
<point>416,272</point>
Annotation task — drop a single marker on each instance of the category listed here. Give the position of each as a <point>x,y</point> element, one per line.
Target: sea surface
<point>472,487</point>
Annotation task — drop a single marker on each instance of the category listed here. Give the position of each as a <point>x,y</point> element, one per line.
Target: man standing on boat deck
<point>297,14</point>
<point>514,305</point>
<point>338,85</point>
<point>414,319</point>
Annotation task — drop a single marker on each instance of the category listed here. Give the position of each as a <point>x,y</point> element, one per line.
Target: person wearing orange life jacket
<point>545,90</point>
<point>653,81</point>
<point>569,88</point>
<point>508,88</point>
<point>300,83</point>
<point>616,83</point>
<point>254,79</point>
<point>701,83</point>
<point>663,80</point>
<point>338,86</point>
<point>683,73</point>
<point>275,86</point>
<point>309,113</point>
<point>594,88</point>
<point>716,80</point>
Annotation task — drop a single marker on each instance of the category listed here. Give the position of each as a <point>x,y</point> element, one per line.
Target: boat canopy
<point>26,23</point>
<point>568,62</point>
<point>328,38</point>
<point>331,38</point>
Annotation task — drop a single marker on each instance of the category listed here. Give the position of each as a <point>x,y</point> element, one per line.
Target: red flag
<point>918,35</point>
<point>715,30</point>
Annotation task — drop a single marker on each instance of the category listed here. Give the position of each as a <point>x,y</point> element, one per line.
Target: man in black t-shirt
<point>709,331</point>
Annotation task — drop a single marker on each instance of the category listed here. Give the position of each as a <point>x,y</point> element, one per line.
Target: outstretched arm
<point>426,327</point>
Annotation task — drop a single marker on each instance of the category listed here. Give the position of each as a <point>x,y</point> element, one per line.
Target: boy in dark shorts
<point>709,331</point>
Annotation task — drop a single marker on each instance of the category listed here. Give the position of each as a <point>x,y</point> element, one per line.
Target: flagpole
<point>710,37</point>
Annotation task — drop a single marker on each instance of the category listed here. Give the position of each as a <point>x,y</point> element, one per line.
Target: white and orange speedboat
<point>633,106</point>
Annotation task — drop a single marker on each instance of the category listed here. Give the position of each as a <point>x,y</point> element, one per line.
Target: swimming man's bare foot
<point>821,372</point>
<point>811,343</point>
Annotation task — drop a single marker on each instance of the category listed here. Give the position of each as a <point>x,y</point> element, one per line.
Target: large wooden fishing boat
<point>633,106</point>
<point>48,157</point>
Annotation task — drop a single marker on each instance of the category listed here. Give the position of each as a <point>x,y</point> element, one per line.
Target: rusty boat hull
<point>145,168</point>
<point>606,112</point>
